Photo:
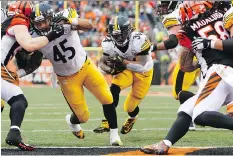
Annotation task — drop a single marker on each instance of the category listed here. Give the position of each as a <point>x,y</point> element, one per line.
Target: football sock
<point>115,90</point>
<point>134,113</point>
<point>179,128</point>
<point>110,115</point>
<point>185,95</point>
<point>214,119</point>
<point>74,127</point>
<point>74,119</point>
<point>167,142</point>
<point>17,112</point>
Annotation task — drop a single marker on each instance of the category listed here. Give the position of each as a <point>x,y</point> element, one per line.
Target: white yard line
<point>144,129</point>
<point>96,119</point>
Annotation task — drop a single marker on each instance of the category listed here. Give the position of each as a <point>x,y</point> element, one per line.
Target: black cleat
<point>14,139</point>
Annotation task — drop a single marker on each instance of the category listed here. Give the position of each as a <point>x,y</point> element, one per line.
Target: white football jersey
<point>65,53</point>
<point>138,43</point>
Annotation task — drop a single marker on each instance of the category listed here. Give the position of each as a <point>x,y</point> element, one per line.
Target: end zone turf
<point>116,151</point>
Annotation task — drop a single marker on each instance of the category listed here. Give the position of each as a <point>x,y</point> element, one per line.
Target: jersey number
<point>218,27</point>
<point>58,56</point>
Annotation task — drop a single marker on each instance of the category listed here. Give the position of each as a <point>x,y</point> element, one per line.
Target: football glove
<point>117,60</point>
<point>57,31</point>
<point>201,44</point>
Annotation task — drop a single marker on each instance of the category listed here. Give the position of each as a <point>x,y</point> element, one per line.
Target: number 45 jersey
<point>207,25</point>
<point>65,53</point>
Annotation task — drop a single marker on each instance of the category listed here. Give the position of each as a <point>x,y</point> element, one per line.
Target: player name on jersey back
<point>198,24</point>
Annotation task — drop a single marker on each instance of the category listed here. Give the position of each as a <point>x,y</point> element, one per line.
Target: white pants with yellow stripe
<point>213,93</point>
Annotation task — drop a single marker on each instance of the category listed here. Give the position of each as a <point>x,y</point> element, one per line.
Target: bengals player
<point>15,35</point>
<point>223,45</point>
<point>203,107</point>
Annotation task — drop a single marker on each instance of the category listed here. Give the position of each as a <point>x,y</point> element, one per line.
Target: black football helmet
<point>120,29</point>
<point>42,13</point>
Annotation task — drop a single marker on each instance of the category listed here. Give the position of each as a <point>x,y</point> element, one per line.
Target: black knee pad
<point>115,90</point>
<point>19,99</point>
<point>184,95</point>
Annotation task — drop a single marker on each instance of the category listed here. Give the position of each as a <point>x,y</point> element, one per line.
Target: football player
<point>223,45</point>
<point>74,69</point>
<point>15,35</point>
<point>125,49</point>
<point>27,62</point>
<point>182,81</point>
<point>214,91</point>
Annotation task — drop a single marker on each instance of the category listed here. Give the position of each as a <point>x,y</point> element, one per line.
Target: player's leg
<point>72,89</point>
<point>179,128</point>
<point>13,95</point>
<point>182,81</point>
<point>2,104</point>
<point>230,110</point>
<point>215,92</point>
<point>140,87</point>
<point>119,82</point>
<point>97,85</point>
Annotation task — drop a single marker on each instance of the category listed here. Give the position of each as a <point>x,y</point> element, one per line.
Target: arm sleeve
<point>146,63</point>
<point>228,45</point>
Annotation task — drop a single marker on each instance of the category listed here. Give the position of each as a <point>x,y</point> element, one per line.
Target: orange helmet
<point>191,9</point>
<point>20,7</point>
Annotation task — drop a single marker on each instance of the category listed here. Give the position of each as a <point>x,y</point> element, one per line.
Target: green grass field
<point>44,123</point>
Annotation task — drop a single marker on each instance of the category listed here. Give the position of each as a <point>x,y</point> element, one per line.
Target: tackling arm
<point>170,43</point>
<point>186,60</point>
<point>26,41</point>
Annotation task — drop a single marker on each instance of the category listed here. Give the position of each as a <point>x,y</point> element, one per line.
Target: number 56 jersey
<point>65,53</point>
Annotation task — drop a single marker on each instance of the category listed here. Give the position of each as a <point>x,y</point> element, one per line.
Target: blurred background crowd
<point>101,12</point>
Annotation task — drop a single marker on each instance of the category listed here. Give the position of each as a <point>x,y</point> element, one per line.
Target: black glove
<point>60,18</point>
<point>201,44</point>
<point>57,31</point>
<point>117,60</point>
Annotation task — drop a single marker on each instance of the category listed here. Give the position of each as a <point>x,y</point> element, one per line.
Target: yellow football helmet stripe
<point>116,23</point>
<point>37,10</point>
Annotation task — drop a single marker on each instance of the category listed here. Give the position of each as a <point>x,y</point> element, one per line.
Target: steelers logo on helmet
<point>228,19</point>
<point>41,18</point>
<point>120,29</point>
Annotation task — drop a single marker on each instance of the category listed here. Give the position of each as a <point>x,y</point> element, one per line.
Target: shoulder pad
<point>171,19</point>
<point>140,42</point>
<point>106,43</point>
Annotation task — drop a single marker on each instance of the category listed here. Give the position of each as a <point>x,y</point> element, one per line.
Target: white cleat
<point>192,127</point>
<point>115,140</point>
